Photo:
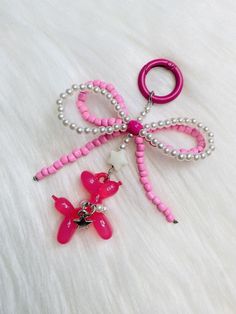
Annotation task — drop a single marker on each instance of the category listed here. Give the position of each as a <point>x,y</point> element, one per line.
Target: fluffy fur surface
<point>149,266</point>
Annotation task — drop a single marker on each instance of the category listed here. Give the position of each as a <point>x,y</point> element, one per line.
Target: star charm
<point>118,159</point>
<point>82,222</point>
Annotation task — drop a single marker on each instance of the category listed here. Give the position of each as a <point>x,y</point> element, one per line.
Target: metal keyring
<point>168,65</point>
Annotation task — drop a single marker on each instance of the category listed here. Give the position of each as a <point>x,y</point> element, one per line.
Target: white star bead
<point>118,159</point>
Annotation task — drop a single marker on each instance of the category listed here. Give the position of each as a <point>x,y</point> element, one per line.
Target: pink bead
<point>150,195</point>
<point>139,154</point>
<point>119,99</point>
<point>138,140</point>
<point>141,167</point>
<point>64,160</point>
<point>114,93</point>
<point>183,150</point>
<point>156,201</point>
<point>57,164</point>
<point>105,122</point>
<point>194,132</point>
<point>112,121</point>
<point>84,151</point>
<point>98,121</point>
<point>140,160</point>
<point>170,218</point>
<point>188,130</point>
<point>45,171</point>
<point>90,145</point>
<point>147,187</point>
<point>82,96</point>
<point>39,175</point>
<point>51,170</point>
<point>110,87</point>
<point>161,207</point>
<point>102,85</point>
<point>91,119</point>
<point>181,128</point>
<point>96,82</point>
<point>167,212</point>
<point>140,147</point>
<point>134,127</point>
<point>96,142</point>
<point>143,173</point>
<point>103,139</point>
<point>144,180</point>
<point>200,149</point>
<point>83,109</point>
<point>71,157</point>
<point>77,152</point>
<point>85,115</point>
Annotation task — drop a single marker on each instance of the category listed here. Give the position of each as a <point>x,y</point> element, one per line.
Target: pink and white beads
<point>108,128</point>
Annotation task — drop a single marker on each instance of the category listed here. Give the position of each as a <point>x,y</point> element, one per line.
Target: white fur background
<point>148,266</point>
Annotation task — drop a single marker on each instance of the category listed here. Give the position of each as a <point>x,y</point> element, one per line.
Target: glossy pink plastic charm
<point>89,212</point>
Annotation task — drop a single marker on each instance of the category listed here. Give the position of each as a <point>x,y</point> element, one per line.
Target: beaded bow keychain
<point>99,185</point>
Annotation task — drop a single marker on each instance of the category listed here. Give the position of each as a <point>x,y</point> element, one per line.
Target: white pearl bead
<point>108,96</point>
<point>89,86</point>
<point>199,125</point>
<point>63,95</point>
<point>173,120</point>
<point>187,120</point>
<point>147,126</point>
<point>160,145</point>
<point>173,153</point>
<point>122,146</point>
<point>99,207</point>
<point>180,120</point>
<point>79,130</point>
<point>121,114</point>
<point>189,156</point>
<point>153,125</point>
<point>113,102</point>
<point>206,129</point>
<point>203,155</point>
<point>208,152</point>
<point>74,87</point>
<point>94,130</point>
<point>82,86</point>
<point>142,132</point>
<point>148,108</point>
<point>194,121</point>
<point>117,107</point>
<point>72,126</point>
<point>160,123</point>
<point>166,150</point>
<point>196,157</point>
<point>149,136</point>
<point>123,127</point>
<point>102,129</point>
<point>212,147</point>
<point>126,140</point>
<point>69,91</point>
<point>60,108</point>
<point>59,101</point>
<point>167,122</point>
<point>126,119</point>
<point>211,140</point>
<point>60,116</point>
<point>116,127</point>
<point>143,113</point>
<point>139,119</point>
<point>180,156</point>
<point>103,91</point>
<point>210,134</point>
<point>65,122</point>
<point>109,129</point>
<point>96,89</point>
<point>154,141</point>
<point>87,130</point>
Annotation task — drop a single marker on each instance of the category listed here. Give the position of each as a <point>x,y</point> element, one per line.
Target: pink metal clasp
<point>169,65</point>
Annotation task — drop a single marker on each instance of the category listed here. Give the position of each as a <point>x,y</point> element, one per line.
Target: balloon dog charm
<point>142,134</point>
<point>100,187</point>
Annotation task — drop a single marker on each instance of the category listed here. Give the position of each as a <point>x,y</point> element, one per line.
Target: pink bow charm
<point>143,134</point>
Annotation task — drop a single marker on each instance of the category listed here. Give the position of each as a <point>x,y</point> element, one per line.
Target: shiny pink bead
<point>156,200</point>
<point>71,157</point>
<point>161,207</point>
<point>134,127</point>
<point>144,180</point>
<point>150,195</point>
<point>64,160</point>
<point>84,151</point>
<point>57,164</point>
